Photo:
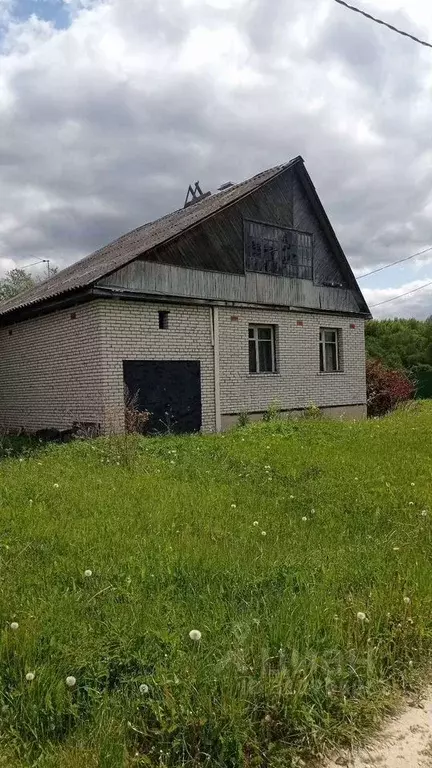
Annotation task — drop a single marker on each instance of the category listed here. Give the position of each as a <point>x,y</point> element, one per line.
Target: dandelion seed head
<point>412,483</point>
<point>70,681</point>
<point>361,616</point>
<point>14,626</point>
<point>407,600</point>
<point>263,533</point>
<point>424,513</point>
<point>30,676</point>
<point>410,503</point>
<point>304,518</point>
<point>195,635</point>
<point>256,523</point>
<point>88,573</point>
<point>233,506</point>
<point>143,689</point>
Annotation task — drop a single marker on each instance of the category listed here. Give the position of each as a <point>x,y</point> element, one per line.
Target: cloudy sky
<point>109,108</point>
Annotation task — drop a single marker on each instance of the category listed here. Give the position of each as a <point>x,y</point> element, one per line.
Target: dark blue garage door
<point>169,389</point>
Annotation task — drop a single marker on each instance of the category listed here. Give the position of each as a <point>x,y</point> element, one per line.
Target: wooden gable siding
<point>207,263</point>
<point>164,280</point>
<point>218,244</point>
<point>326,268</point>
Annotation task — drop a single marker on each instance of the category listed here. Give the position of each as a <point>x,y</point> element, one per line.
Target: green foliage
<point>400,343</point>
<point>16,281</point>
<point>243,419</point>
<point>273,411</point>
<point>312,412</point>
<point>270,540</point>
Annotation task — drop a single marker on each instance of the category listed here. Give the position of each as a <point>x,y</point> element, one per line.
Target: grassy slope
<point>284,665</point>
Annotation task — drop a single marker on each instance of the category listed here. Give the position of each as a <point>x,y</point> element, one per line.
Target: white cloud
<point>104,124</point>
<point>416,304</point>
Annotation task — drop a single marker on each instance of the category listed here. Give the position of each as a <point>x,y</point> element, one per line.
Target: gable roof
<point>120,252</point>
<point>89,270</point>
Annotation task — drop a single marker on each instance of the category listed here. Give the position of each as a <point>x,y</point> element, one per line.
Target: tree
<point>18,280</point>
<point>15,281</point>
<point>399,343</point>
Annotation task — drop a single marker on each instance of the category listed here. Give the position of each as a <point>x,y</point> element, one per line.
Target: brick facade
<point>50,371</point>
<point>298,381</point>
<point>56,370</point>
<point>131,332</point>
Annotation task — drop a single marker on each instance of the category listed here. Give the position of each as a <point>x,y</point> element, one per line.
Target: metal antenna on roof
<point>194,195</point>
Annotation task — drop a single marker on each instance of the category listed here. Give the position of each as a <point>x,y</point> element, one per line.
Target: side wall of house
<point>55,370</point>
<point>50,371</point>
<point>131,332</point>
<point>298,381</point>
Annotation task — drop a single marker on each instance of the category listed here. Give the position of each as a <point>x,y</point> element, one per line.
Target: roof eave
<point>36,309</point>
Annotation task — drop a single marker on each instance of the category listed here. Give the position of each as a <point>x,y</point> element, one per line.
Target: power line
<point>407,293</point>
<point>383,23</point>
<point>393,263</point>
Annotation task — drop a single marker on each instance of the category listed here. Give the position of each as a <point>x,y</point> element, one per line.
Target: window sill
<point>264,375</point>
<point>330,373</point>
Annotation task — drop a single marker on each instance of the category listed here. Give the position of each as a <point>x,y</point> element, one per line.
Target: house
<point>242,298</point>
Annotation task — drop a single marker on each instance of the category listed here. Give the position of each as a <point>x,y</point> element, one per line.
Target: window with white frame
<point>330,353</point>
<point>262,349</point>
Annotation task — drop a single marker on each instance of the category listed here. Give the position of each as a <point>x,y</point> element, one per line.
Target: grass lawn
<point>301,551</point>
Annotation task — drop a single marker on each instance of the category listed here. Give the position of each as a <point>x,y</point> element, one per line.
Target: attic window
<point>278,251</point>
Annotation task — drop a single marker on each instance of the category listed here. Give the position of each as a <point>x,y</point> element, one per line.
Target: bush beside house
<point>386,388</point>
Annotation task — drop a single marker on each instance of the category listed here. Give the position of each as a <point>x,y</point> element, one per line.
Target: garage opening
<point>170,390</point>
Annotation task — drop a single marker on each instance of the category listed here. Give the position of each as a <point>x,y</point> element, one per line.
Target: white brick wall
<point>298,382</point>
<point>55,370</point>
<point>131,332</point>
<point>50,371</point>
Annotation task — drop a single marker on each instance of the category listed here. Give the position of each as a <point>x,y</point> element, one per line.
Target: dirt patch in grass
<point>405,742</point>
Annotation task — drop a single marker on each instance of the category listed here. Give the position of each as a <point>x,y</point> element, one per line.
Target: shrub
<point>386,388</point>
<point>135,420</point>
<point>243,419</point>
<point>273,411</point>
<point>312,412</point>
